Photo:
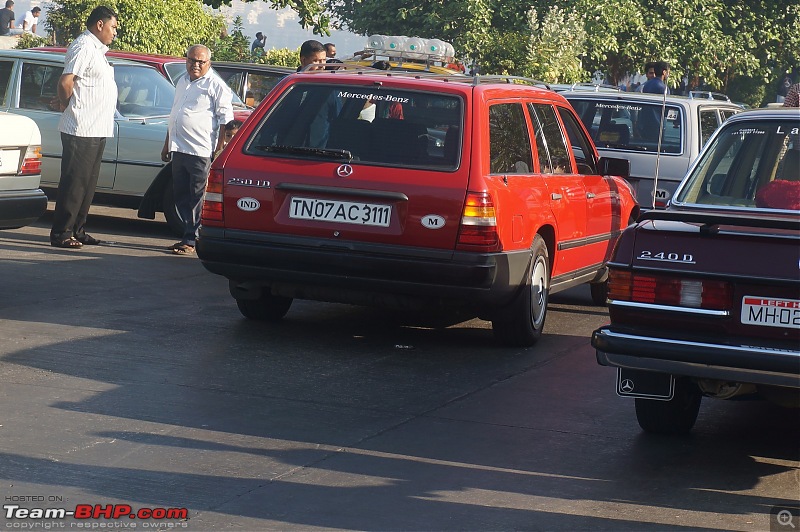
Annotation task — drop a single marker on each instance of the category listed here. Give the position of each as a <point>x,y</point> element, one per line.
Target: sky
<point>280,27</point>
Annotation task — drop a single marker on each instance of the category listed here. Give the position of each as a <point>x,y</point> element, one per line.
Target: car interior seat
<point>613,135</point>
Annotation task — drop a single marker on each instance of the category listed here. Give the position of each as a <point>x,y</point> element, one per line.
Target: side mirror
<point>614,166</point>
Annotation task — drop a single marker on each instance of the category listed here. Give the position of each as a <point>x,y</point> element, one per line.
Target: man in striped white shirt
<point>200,110</point>
<point>87,94</point>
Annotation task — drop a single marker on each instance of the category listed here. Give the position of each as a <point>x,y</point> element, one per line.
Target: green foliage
<point>29,40</point>
<point>712,42</point>
<point>556,45</point>
<point>749,90</point>
<point>232,47</point>
<point>150,26</point>
<point>279,57</point>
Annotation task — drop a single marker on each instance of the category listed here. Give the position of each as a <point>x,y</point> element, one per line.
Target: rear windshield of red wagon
<point>367,124</point>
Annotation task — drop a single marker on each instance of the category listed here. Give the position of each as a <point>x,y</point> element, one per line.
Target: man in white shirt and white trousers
<point>201,108</point>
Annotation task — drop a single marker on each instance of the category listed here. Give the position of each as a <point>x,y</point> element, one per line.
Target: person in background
<point>200,110</point>
<point>783,89</point>
<point>792,96</point>
<point>231,128</point>
<point>312,52</point>
<point>330,53</point>
<point>259,43</point>
<point>649,72</point>
<point>658,85</point>
<point>87,95</point>
<point>30,20</point>
<point>7,20</point>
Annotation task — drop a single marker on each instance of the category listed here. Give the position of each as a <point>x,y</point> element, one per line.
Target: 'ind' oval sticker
<point>433,221</point>
<point>248,204</point>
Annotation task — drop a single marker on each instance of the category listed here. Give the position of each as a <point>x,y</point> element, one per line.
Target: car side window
<point>260,85</point>
<point>39,86</point>
<point>554,138</point>
<point>509,141</point>
<point>542,153</point>
<point>5,78</point>
<point>708,124</point>
<point>580,143</point>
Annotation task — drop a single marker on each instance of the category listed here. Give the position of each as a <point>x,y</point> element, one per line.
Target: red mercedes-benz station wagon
<point>413,190</point>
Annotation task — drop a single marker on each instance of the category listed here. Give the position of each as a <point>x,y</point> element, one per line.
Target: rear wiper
<point>305,150</point>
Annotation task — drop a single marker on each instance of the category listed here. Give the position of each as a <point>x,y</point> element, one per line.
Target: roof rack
<point>452,78</point>
<point>498,78</point>
<point>596,87</point>
<point>708,95</point>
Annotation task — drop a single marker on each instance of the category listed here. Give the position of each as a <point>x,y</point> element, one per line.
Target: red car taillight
<point>478,231</point>
<point>671,291</point>
<point>212,202</point>
<point>32,163</point>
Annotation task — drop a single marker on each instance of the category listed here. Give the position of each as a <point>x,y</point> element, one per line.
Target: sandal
<point>176,245</point>
<point>70,242</point>
<point>88,240</point>
<point>183,249</point>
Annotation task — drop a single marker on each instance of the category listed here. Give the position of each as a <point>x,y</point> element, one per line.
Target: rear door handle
<point>590,195</point>
<point>555,196</point>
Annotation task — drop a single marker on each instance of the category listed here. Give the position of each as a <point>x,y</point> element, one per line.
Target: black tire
<point>599,293</point>
<point>174,220</point>
<point>676,416</point>
<point>266,308</point>
<point>521,323</point>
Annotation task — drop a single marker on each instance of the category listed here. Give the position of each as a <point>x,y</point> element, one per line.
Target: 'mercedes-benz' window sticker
<point>620,106</point>
<point>373,97</point>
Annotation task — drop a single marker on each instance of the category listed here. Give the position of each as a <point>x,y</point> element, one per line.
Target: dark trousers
<point>80,168</point>
<point>189,176</point>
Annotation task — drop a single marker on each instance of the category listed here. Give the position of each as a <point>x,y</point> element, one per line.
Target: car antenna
<point>658,146</point>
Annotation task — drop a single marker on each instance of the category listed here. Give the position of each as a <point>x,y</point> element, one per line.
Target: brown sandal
<point>69,243</point>
<point>183,249</point>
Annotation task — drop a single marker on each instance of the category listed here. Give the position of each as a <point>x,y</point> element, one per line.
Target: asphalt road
<point>128,377</point>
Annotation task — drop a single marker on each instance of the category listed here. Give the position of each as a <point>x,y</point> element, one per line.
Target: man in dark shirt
<point>658,85</point>
<point>7,18</point>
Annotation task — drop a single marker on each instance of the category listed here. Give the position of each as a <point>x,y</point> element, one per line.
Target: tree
<point>150,26</point>
<point>556,46</point>
<point>311,12</point>
<point>709,41</point>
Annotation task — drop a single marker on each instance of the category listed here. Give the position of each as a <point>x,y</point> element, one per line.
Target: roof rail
<point>708,95</point>
<point>477,80</point>
<point>596,87</point>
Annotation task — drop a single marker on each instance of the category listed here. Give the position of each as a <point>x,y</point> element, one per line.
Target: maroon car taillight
<point>32,163</point>
<point>668,290</point>
<point>213,214</point>
<point>478,230</point>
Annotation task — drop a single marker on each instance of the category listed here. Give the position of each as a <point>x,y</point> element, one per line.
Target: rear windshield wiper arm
<point>305,150</point>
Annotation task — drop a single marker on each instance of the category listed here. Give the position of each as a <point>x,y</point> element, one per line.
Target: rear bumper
<point>773,365</point>
<point>354,272</point>
<point>21,208</point>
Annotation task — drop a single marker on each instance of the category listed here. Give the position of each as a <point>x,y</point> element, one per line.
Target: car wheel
<point>599,292</point>
<point>521,323</point>
<point>266,308</point>
<point>676,416</point>
<point>174,220</point>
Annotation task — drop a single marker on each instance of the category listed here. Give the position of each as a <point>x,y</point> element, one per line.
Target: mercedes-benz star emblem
<point>626,386</point>
<point>344,170</point>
